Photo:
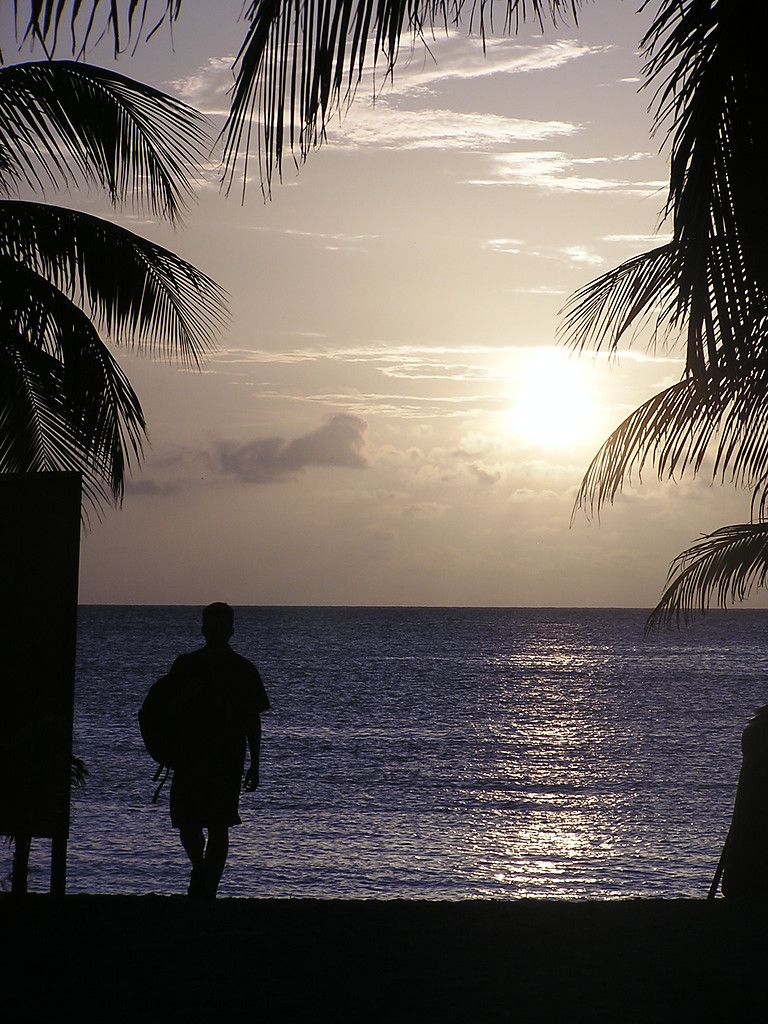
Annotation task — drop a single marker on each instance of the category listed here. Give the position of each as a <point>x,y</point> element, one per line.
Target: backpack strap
<point>165,771</point>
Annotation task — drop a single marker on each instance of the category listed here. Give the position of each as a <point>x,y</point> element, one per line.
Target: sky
<point>388,418</point>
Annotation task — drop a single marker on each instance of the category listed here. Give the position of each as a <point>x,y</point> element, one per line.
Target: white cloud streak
<point>457,57</point>
<point>555,171</point>
<point>442,129</point>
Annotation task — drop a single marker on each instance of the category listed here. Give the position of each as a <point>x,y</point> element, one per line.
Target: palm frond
<point>47,19</point>
<point>302,61</point>
<point>644,292</point>
<point>602,312</point>
<point>724,566</point>
<point>742,448</point>
<point>672,430</point>
<point>679,428</point>
<point>709,72</point>
<point>139,293</point>
<point>64,123</point>
<point>64,401</point>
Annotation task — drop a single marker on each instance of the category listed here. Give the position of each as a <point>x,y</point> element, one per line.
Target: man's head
<point>218,623</point>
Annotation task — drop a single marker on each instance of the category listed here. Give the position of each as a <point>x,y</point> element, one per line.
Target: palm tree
<point>302,61</point>
<point>68,280</point>
<point>707,287</point>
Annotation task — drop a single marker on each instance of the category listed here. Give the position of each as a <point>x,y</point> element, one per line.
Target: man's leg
<point>193,841</point>
<point>215,857</point>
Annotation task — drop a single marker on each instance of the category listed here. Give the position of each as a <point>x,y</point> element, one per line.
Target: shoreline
<point>112,957</point>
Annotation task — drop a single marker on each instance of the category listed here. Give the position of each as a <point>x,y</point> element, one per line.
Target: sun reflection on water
<point>555,795</point>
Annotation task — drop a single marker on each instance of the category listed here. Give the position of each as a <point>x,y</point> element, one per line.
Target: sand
<point>150,957</point>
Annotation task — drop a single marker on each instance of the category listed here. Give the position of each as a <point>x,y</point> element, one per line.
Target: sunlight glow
<point>554,404</point>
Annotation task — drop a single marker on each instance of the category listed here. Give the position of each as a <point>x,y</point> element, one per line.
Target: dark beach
<point>151,957</point>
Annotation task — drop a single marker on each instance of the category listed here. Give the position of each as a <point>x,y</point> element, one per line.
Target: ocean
<point>432,753</point>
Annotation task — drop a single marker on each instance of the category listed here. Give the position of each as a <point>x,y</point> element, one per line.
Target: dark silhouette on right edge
<point>745,856</point>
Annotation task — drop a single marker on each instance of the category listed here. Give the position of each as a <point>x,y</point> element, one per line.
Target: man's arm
<point>254,746</point>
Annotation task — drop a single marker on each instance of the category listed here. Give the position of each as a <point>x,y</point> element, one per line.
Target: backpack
<point>159,726</point>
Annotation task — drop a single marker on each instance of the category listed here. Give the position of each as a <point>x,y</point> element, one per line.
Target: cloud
<point>207,88</point>
<point>468,58</point>
<point>645,241</point>
<point>387,124</point>
<point>150,488</point>
<point>442,129</point>
<point>418,368</point>
<point>331,240</point>
<point>374,352</point>
<point>457,56</point>
<point>511,245</point>
<point>555,171</point>
<point>338,442</point>
<point>538,289</point>
<point>423,510</point>
<point>484,475</point>
<point>579,255</point>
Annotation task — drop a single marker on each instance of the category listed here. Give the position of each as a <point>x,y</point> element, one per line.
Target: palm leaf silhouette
<point>139,293</point>
<point>67,278</point>
<point>63,123</point>
<point>64,401</point>
<point>709,75</point>
<point>726,565</point>
<point>678,431</point>
<point>302,62</point>
<point>707,289</point>
<point>47,19</point>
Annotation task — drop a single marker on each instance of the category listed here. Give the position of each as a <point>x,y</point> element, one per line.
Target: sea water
<point>435,753</point>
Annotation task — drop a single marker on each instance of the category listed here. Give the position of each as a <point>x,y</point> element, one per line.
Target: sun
<point>554,404</point>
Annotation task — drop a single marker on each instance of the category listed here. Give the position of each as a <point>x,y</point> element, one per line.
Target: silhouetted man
<point>221,698</point>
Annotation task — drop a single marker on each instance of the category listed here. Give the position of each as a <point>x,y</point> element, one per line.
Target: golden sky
<point>387,419</point>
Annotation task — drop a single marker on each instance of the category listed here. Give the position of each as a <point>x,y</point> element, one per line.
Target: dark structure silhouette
<point>40,530</point>
<point>212,699</point>
<point>745,856</point>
